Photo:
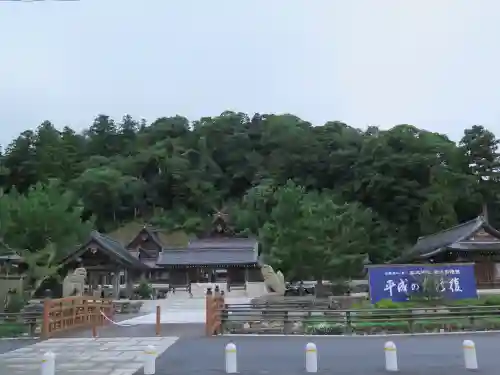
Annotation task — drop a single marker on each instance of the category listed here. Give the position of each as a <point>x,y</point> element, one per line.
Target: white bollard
<point>231,360</point>
<point>48,364</point>
<point>470,357</point>
<point>391,356</point>
<point>311,358</point>
<point>150,355</point>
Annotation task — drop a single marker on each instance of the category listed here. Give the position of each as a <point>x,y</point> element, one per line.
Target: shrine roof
<point>110,247</point>
<point>212,251</point>
<point>152,233</point>
<point>456,238</point>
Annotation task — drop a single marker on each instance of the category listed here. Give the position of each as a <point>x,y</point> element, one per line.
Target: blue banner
<point>399,282</point>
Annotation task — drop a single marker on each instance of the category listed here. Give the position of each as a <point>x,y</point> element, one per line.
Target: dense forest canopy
<point>322,199</point>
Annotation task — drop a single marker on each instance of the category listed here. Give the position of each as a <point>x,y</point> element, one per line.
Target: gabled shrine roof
<point>116,249</point>
<point>110,247</point>
<point>211,252</point>
<point>152,233</point>
<point>455,238</point>
<point>159,237</point>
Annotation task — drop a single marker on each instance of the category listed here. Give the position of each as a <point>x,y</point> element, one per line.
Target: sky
<point>432,64</point>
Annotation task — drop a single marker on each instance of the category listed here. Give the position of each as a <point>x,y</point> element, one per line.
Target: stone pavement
<point>84,356</point>
<point>178,310</point>
<point>143,330</point>
<point>8,345</point>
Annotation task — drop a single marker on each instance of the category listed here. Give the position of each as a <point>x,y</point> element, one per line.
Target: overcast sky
<point>430,63</point>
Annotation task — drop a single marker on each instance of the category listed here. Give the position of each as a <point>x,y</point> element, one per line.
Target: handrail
<point>265,307</point>
<point>69,313</point>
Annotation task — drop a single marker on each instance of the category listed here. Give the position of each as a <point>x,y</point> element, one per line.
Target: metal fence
<point>300,318</point>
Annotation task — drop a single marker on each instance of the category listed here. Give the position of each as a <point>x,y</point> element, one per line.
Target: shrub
<point>339,288</point>
<point>490,301</point>
<point>466,302</point>
<point>388,304</point>
<point>325,329</point>
<point>15,303</point>
<point>144,290</point>
<point>382,305</point>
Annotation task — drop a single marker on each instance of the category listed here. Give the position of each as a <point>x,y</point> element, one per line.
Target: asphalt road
<point>429,355</point>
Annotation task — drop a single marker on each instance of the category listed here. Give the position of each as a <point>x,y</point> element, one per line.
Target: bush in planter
<point>490,301</point>
<point>339,288</point>
<point>387,304</point>
<point>475,302</point>
<point>15,303</point>
<point>144,290</point>
<point>325,329</point>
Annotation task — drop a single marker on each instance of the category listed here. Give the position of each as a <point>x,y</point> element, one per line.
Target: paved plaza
<point>178,310</point>
<point>84,356</point>
<point>119,348</point>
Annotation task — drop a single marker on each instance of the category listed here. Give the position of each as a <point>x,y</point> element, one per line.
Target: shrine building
<point>473,241</point>
<point>217,256</point>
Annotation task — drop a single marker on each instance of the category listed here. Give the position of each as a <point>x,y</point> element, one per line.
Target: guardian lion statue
<point>74,284</point>
<point>274,281</point>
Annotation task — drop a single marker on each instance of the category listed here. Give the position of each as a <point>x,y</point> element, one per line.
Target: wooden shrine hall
<point>107,262</point>
<point>217,256</point>
<point>473,241</point>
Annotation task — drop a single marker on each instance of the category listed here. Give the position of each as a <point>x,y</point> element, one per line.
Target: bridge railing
<point>214,311</point>
<point>65,314</point>
<point>295,318</point>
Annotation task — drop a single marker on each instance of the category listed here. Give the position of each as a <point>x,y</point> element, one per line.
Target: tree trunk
<point>485,211</point>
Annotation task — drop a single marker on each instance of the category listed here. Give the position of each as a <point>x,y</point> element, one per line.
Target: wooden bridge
<point>65,314</point>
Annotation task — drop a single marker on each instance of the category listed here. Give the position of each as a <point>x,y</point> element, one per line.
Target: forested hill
<point>279,177</point>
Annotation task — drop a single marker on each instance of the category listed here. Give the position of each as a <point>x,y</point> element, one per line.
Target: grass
<point>424,325</point>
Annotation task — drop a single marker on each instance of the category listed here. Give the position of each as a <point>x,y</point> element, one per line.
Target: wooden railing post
<point>220,312</point>
<point>158,321</point>
<point>215,311</point>
<point>208,312</point>
<point>46,318</point>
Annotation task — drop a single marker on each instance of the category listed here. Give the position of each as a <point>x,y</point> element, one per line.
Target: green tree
<point>41,226</point>
<point>401,183</point>
<point>480,150</point>
<point>310,234</point>
<point>21,162</point>
<point>100,189</point>
<point>46,214</point>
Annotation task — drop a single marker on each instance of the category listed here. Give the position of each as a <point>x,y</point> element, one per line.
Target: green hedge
<point>492,300</point>
<point>12,329</point>
<point>318,325</point>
